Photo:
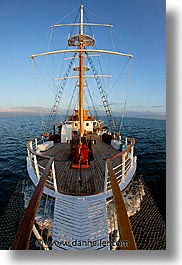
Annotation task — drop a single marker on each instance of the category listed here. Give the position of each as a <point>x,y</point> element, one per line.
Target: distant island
<point>34,111</point>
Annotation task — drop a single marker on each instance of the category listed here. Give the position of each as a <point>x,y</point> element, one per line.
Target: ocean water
<point>150,149</point>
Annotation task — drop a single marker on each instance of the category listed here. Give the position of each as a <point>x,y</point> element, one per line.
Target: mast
<point>81,46</point>
<point>81,19</point>
<point>81,41</point>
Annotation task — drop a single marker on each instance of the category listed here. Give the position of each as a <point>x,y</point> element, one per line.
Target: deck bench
<point>45,146</point>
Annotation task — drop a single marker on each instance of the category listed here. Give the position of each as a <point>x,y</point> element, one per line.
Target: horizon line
<point>128,114</point>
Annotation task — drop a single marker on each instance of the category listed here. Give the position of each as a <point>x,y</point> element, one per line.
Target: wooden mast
<point>81,46</point>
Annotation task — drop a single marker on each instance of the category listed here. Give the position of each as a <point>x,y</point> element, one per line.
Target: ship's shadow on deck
<point>92,179</point>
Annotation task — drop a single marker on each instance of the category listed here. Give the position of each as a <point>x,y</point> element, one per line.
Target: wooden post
<point>36,143</point>
<point>28,152</point>
<point>31,145</point>
<point>123,166</point>
<point>132,151</point>
<point>106,176</point>
<point>54,177</point>
<point>36,166</point>
<point>39,237</point>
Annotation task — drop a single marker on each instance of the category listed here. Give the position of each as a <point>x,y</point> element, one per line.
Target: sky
<point>140,25</point>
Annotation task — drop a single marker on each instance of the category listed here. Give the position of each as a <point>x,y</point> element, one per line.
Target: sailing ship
<point>85,164</point>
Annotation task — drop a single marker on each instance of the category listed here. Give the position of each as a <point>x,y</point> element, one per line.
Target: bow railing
<point>27,224</point>
<point>122,163</point>
<point>122,227</point>
<point>38,161</point>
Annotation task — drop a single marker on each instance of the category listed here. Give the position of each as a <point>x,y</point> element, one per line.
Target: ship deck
<point>92,178</point>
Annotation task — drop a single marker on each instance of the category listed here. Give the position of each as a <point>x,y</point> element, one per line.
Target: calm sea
<point>150,149</point>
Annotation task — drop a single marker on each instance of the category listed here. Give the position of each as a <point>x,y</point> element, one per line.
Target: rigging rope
<point>93,14</point>
<point>103,95</point>
<point>67,15</point>
<point>58,97</point>
<point>43,76</point>
<point>117,79</point>
<point>96,115</point>
<point>71,100</point>
<point>86,99</point>
<point>38,98</point>
<point>127,88</point>
<point>48,48</point>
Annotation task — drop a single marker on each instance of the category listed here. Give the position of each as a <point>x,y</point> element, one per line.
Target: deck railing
<point>121,163</point>
<point>122,228</point>
<point>27,224</point>
<point>37,160</point>
<point>117,168</point>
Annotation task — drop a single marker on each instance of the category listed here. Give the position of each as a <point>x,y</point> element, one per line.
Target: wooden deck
<point>92,178</point>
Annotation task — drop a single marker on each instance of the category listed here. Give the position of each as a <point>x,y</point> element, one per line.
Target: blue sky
<point>140,25</point>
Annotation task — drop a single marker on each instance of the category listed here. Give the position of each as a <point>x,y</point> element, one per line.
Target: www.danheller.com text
<point>82,243</point>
